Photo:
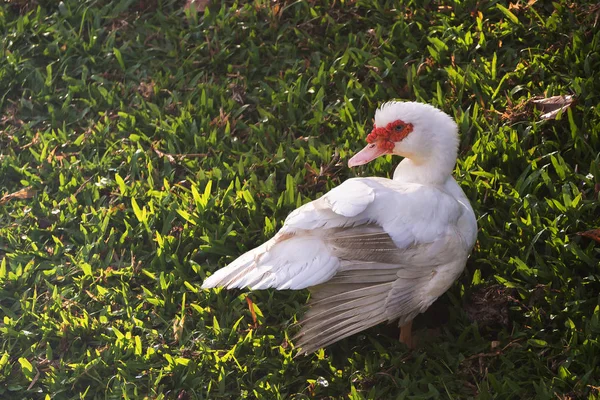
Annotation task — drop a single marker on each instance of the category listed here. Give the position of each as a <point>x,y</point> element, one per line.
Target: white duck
<point>372,249</point>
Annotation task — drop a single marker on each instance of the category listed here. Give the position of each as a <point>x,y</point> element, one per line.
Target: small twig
<point>35,379</point>
<point>494,354</point>
<point>80,188</point>
<point>177,157</point>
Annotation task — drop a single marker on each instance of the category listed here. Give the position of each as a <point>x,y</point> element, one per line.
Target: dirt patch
<point>488,306</point>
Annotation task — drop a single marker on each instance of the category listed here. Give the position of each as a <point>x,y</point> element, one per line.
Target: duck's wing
<point>371,219</point>
<point>379,283</point>
<point>366,248</point>
<point>297,256</point>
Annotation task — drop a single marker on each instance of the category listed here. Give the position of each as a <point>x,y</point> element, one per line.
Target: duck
<point>373,249</point>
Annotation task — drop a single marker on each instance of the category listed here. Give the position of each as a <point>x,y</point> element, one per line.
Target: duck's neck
<point>432,171</point>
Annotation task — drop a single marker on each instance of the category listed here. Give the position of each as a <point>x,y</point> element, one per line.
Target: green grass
<point>155,147</point>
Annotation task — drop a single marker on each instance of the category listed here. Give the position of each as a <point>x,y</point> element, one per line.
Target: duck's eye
<point>372,145</point>
<point>399,128</point>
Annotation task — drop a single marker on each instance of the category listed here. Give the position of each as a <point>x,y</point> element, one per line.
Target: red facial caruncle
<point>385,138</point>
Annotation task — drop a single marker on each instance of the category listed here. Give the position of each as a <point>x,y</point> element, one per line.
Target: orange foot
<point>406,336</point>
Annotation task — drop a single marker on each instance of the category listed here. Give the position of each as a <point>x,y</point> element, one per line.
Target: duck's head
<point>417,131</point>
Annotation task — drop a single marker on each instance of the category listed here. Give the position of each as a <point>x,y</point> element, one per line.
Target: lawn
<point>143,147</point>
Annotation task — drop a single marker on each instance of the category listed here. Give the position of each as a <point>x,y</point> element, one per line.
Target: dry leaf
<point>25,193</point>
<point>178,327</point>
<point>199,5</point>
<point>594,234</point>
<point>551,106</point>
<point>251,308</point>
<point>514,6</point>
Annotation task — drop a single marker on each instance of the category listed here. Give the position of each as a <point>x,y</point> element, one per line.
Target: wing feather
<point>378,296</point>
<point>368,250</point>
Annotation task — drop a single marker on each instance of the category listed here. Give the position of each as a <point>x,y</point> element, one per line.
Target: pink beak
<point>369,153</point>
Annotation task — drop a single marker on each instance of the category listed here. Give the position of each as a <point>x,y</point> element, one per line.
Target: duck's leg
<point>406,335</point>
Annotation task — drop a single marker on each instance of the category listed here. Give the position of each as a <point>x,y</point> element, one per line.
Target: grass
<point>141,149</point>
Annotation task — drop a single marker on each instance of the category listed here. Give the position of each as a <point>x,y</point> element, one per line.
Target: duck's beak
<point>369,153</point>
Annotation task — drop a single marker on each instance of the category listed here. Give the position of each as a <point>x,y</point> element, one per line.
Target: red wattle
<point>386,137</point>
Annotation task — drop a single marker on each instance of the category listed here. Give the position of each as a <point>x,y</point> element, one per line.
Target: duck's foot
<point>406,336</point>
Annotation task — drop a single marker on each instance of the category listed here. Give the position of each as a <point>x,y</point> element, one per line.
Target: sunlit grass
<point>142,149</point>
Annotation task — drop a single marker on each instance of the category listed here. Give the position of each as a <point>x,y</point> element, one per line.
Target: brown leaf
<point>551,106</point>
<point>178,327</point>
<point>251,308</point>
<point>221,120</point>
<point>198,5</point>
<point>594,234</point>
<point>514,6</point>
<point>25,193</point>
